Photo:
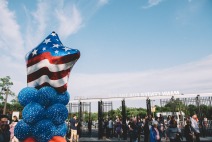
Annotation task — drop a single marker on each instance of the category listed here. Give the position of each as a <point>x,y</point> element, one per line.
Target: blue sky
<point>126,46</point>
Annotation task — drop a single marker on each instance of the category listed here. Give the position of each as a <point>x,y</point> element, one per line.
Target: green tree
<point>13,101</point>
<point>94,116</point>
<point>192,109</point>
<point>174,105</point>
<point>1,97</point>
<point>5,85</point>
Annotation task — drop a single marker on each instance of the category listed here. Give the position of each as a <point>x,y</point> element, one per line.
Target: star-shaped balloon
<point>50,63</point>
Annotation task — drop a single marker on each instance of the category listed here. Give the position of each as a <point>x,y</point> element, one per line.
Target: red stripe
<point>45,71</point>
<point>58,89</point>
<point>53,59</point>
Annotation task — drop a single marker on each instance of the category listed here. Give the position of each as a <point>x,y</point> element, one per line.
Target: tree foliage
<point>5,85</point>
<point>5,91</point>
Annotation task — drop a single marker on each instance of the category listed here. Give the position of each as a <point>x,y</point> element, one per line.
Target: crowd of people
<point>154,129</point>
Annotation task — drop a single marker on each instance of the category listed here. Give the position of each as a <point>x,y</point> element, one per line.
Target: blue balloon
<point>57,113</point>
<point>61,130</point>
<point>32,113</point>
<point>22,130</point>
<point>44,130</point>
<point>27,95</point>
<point>63,98</point>
<point>47,96</point>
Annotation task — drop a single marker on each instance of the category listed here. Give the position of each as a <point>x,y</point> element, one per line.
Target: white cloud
<point>188,78</point>
<point>39,22</point>
<point>11,42</point>
<point>12,48</point>
<point>69,21</point>
<point>102,2</point>
<point>185,15</point>
<point>50,16</point>
<point>152,3</point>
<point>41,16</point>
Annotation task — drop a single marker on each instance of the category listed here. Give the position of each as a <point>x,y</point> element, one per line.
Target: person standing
<point>188,131</point>
<point>73,127</point>
<point>147,126</point>
<point>130,126</point>
<point>140,126</point>
<point>12,127</point>
<point>118,128</point>
<point>89,127</point>
<point>78,130</point>
<point>110,127</point>
<point>195,125</point>
<point>173,132</point>
<point>204,126</point>
<point>4,129</point>
<point>134,128</point>
<point>154,132</point>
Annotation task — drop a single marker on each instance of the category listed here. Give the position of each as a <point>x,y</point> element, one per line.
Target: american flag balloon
<point>50,63</point>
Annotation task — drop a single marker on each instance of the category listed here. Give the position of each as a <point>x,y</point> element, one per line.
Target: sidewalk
<point>92,139</point>
<point>206,139</point>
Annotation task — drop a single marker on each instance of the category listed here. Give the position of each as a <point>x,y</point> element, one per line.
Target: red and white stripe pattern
<point>50,66</point>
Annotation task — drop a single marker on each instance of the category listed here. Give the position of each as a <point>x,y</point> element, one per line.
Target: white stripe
<point>45,78</point>
<point>52,67</point>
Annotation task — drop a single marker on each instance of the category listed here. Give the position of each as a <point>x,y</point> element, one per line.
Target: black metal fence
<point>89,128</point>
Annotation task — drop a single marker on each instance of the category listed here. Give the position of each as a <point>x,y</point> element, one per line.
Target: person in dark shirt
<point>73,127</point>
<point>89,127</point>
<point>130,125</point>
<point>188,131</point>
<point>4,129</point>
<point>78,130</point>
<point>147,126</point>
<point>134,130</point>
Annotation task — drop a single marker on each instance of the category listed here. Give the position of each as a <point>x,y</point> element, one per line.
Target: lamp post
<point>198,104</point>
<point>124,120</point>
<point>172,105</point>
<point>152,108</point>
<point>148,106</point>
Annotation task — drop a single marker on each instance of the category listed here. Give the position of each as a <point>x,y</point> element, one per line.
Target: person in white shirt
<point>110,126</point>
<point>195,126</point>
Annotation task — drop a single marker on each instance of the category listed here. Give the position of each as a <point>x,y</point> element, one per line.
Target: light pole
<point>152,108</point>
<point>172,105</point>
<point>148,106</point>
<point>198,104</point>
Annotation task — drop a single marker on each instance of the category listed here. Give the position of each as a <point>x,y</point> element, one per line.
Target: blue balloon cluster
<point>44,114</point>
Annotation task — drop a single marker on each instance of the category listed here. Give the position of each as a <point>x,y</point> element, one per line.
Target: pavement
<point>93,139</point>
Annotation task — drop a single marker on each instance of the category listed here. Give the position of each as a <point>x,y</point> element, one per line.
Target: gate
<point>103,109</point>
<point>83,112</point>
